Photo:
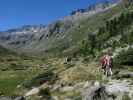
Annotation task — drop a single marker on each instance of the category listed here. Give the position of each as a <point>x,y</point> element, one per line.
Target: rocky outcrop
<point>124,74</point>
<point>120,88</point>
<point>95,91</point>
<point>113,90</point>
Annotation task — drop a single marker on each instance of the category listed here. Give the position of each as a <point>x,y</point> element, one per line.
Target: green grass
<point>8,86</point>
<point>10,79</point>
<point>15,69</point>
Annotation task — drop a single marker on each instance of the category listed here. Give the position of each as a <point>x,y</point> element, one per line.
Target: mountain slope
<point>61,35</point>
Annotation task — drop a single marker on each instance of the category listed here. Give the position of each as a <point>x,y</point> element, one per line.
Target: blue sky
<point>15,13</point>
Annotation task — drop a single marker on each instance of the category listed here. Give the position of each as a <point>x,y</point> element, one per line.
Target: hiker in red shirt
<point>106,63</point>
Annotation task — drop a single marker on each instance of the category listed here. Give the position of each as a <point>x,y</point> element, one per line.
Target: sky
<point>16,13</point>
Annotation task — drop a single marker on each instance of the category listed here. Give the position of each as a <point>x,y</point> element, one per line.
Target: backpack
<point>111,62</point>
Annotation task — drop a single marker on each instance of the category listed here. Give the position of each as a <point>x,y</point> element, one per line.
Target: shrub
<point>125,57</point>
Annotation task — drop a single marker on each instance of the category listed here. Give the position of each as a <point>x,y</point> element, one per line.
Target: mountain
<point>61,35</point>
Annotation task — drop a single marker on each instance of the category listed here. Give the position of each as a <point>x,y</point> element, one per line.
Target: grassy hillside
<point>86,25</point>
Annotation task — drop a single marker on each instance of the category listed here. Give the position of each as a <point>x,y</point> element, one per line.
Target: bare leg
<point>106,71</point>
<point>110,70</point>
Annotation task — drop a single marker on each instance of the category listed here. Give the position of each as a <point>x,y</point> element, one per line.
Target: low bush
<point>45,93</point>
<point>125,57</point>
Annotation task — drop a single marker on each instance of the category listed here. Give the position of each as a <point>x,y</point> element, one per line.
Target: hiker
<point>107,64</point>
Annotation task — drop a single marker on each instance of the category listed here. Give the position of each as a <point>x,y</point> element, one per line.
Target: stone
<point>34,91</point>
<point>67,89</point>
